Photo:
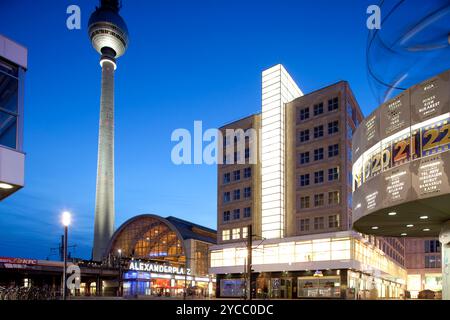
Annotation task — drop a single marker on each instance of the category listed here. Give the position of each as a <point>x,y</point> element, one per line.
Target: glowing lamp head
<point>107,30</point>
<point>66,218</point>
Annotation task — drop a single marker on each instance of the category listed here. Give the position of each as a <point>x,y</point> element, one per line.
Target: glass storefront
<point>319,287</point>
<point>232,287</point>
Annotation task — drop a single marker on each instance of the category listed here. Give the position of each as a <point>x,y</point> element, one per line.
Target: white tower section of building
<point>278,88</point>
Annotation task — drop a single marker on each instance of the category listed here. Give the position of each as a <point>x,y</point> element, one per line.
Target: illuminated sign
<point>154,267</point>
<point>400,150</point>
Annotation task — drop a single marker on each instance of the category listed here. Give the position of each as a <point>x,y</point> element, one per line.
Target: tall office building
<point>297,197</point>
<point>13,65</point>
<point>109,36</point>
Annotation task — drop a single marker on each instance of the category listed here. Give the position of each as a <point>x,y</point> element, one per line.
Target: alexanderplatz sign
<point>401,167</point>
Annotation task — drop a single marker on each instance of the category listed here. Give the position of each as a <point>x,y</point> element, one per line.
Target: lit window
<point>333,221</point>
<point>304,225</point>
<point>333,197</point>
<point>304,202</point>
<point>318,200</point>
<point>236,233</point>
<point>225,235</point>
<point>318,223</point>
<point>244,232</point>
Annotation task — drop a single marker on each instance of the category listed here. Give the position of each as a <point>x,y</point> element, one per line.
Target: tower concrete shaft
<point>104,205</point>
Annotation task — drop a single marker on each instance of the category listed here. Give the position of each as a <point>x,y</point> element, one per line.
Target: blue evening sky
<point>187,60</point>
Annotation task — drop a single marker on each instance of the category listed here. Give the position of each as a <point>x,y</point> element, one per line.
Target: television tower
<point>109,37</point>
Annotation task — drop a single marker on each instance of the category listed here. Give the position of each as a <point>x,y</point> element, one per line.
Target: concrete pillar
<point>104,204</point>
<point>444,238</point>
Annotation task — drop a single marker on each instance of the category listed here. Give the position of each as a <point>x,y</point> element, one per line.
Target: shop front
<point>306,284</point>
<point>143,279</point>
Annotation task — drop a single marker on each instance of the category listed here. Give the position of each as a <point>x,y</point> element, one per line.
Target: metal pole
<point>249,260</point>
<point>120,274</point>
<point>185,281</point>
<point>65,263</point>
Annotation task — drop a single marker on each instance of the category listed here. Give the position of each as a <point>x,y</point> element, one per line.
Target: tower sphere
<point>107,30</point>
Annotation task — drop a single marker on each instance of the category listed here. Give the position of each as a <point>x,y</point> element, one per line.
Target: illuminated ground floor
<point>167,285</point>
<point>341,265</point>
<point>421,281</point>
<point>326,284</point>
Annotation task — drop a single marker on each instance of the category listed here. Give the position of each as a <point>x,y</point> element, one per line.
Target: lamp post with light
<point>120,271</point>
<point>66,219</point>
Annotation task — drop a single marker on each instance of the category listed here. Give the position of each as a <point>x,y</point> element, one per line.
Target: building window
<point>333,174</point>
<point>304,135</point>
<point>244,232</point>
<point>247,173</point>
<point>318,131</point>
<point>304,114</point>
<point>226,197</point>
<point>333,104</point>
<point>333,127</point>
<point>304,157</point>
<point>318,200</point>
<point>226,178</point>
<point>432,246</point>
<point>225,235</point>
<point>318,223</point>
<point>304,202</point>
<point>226,216</point>
<point>318,177</point>
<point>236,214</point>
<point>237,194</point>
<point>333,150</point>
<point>237,175</point>
<point>236,233</point>
<point>318,154</point>
<point>304,180</point>
<point>304,225</point>
<point>247,153</point>
<point>432,262</point>
<point>333,197</point>
<point>318,109</point>
<point>333,221</point>
<point>9,105</point>
<point>247,212</point>
<point>247,192</point>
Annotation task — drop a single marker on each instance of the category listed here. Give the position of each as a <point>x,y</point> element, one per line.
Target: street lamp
<point>66,219</point>
<point>119,251</point>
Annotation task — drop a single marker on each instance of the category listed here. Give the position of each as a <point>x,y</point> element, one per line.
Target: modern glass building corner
<point>13,65</point>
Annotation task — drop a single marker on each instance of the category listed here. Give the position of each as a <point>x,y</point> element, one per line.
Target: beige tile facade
<point>225,208</point>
